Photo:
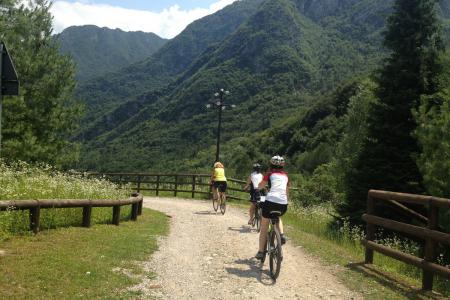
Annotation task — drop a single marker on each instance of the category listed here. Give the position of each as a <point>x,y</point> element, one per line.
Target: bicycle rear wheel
<point>216,200</point>
<point>223,203</point>
<point>275,255</point>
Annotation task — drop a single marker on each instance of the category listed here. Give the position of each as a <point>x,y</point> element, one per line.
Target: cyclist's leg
<point>280,226</point>
<point>215,191</point>
<point>251,212</point>
<point>263,234</point>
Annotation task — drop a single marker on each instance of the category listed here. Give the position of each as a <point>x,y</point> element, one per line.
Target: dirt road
<point>210,256</point>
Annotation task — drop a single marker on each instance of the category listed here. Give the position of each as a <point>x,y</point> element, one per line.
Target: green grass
<point>386,279</point>
<point>21,181</point>
<point>77,262</point>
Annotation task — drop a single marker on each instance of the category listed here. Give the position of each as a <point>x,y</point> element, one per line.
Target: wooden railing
<point>175,183</point>
<point>35,206</point>
<point>429,234</point>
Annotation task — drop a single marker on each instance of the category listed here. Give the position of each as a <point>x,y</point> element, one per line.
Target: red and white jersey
<point>278,185</point>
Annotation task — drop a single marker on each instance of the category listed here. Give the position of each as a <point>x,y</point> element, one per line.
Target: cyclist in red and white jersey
<point>276,200</point>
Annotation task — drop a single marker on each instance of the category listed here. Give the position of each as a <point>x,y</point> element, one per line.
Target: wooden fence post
<point>116,215</point>
<point>370,230</point>
<point>176,186</point>
<point>35,218</point>
<point>140,204</point>
<point>87,212</point>
<point>134,211</point>
<point>430,247</point>
<point>194,178</point>
<point>157,185</point>
<point>139,184</point>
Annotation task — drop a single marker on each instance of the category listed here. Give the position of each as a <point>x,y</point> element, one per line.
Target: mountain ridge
<point>98,51</point>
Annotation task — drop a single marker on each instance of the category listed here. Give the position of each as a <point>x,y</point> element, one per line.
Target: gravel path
<point>210,256</point>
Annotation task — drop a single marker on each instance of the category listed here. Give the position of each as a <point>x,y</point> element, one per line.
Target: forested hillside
<point>276,57</point>
<point>97,51</point>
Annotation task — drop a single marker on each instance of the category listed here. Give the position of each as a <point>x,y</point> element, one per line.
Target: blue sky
<point>153,5</point>
<point>165,18</point>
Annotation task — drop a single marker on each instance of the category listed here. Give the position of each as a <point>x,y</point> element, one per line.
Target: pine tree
<point>37,125</point>
<point>388,157</point>
<point>433,134</point>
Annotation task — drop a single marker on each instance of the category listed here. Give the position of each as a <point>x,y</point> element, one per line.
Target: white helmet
<point>277,161</point>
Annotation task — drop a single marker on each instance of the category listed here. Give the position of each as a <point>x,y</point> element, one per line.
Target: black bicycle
<point>273,246</point>
<point>215,199</point>
<point>256,222</point>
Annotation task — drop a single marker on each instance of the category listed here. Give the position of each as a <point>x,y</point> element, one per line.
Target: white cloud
<point>167,23</point>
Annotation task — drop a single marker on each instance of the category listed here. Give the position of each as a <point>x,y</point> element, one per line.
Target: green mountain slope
<point>275,63</point>
<point>97,51</point>
<point>105,94</point>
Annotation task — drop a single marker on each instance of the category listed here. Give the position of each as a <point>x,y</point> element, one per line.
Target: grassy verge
<point>78,262</point>
<point>20,181</point>
<point>386,279</point>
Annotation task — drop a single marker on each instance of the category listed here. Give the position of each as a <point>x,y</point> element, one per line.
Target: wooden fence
<point>175,183</point>
<point>429,234</point>
<point>35,206</point>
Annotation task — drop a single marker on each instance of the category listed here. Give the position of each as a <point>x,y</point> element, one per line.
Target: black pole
<point>1,93</point>
<point>219,127</point>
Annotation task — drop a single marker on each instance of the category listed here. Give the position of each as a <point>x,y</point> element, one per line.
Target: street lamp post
<point>220,106</point>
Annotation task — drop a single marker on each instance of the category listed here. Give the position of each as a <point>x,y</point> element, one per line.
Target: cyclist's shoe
<point>283,239</point>
<point>260,255</point>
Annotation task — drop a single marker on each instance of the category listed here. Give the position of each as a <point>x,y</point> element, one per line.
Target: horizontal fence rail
<point>35,206</point>
<point>175,183</point>
<point>193,184</point>
<point>431,235</point>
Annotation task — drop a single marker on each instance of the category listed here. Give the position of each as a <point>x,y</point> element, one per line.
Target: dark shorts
<point>268,207</point>
<point>255,195</point>
<point>221,185</point>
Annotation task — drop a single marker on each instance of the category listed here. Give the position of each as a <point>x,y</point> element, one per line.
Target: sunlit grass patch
<point>76,262</point>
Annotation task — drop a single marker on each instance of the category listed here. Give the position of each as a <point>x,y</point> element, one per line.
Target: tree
<point>433,134</point>
<point>37,124</point>
<point>387,159</point>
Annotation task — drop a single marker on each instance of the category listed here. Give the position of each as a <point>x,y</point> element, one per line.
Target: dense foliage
<point>433,135</point>
<point>98,51</point>
<point>387,160</point>
<point>38,124</point>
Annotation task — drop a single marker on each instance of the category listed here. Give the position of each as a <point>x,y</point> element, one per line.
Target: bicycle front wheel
<point>216,201</point>
<point>275,255</point>
<point>223,203</point>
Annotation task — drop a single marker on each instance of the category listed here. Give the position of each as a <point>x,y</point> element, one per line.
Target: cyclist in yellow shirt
<point>218,179</point>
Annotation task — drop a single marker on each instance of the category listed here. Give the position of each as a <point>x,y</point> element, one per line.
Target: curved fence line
<point>431,234</point>
<point>35,206</point>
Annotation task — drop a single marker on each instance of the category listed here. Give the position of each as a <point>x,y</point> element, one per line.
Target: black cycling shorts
<point>255,195</point>
<point>221,185</point>
<point>268,207</point>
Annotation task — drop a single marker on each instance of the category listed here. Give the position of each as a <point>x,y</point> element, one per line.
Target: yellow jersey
<point>219,174</point>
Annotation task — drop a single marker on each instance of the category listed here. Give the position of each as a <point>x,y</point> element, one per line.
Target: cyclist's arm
<point>288,187</point>
<point>247,184</point>
<point>212,176</point>
<point>262,184</point>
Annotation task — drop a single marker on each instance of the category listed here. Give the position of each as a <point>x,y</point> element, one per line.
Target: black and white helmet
<point>277,161</point>
<point>256,167</point>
